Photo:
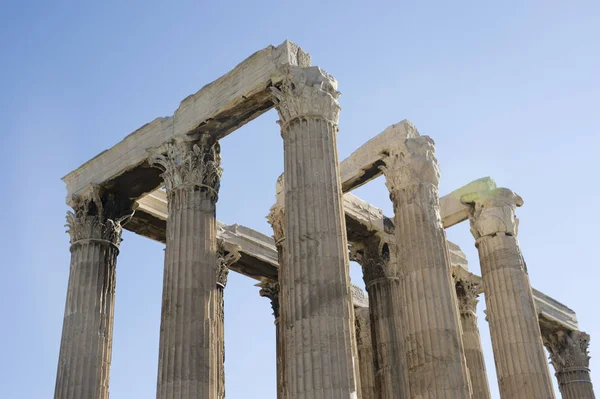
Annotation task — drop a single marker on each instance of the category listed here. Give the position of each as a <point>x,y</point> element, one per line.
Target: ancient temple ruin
<point>413,335</point>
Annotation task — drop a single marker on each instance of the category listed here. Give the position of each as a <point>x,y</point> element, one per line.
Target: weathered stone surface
<point>316,308</point>
<point>259,255</point>
<point>433,343</point>
<point>86,344</point>
<point>217,109</point>
<point>364,344</point>
<point>386,301</point>
<point>467,292</point>
<point>569,355</point>
<point>521,365</point>
<point>188,364</point>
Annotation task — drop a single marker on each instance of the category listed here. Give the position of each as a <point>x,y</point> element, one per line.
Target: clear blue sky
<point>507,89</point>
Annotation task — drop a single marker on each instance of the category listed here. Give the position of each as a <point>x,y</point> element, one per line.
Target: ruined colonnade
<point>414,336</point>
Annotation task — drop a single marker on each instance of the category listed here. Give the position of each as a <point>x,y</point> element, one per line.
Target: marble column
<point>569,356</point>
<point>380,274</point>
<point>270,289</point>
<point>521,365</point>
<point>94,228</point>
<point>467,293</point>
<point>433,343</point>
<point>188,350</point>
<point>226,256</point>
<point>364,343</point>
<point>317,314</point>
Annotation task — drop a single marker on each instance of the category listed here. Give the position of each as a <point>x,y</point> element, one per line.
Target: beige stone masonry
<point>188,365</point>
<point>94,228</point>
<point>380,273</point>
<point>433,343</point>
<point>521,365</point>
<point>569,355</point>
<point>467,292</point>
<point>316,308</point>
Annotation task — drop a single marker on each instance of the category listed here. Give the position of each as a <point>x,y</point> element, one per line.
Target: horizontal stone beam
<point>549,310</point>
<point>218,108</point>
<point>452,210</point>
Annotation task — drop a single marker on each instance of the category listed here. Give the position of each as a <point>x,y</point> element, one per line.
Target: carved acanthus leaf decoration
<point>407,168</point>
<point>374,254</point>
<point>270,289</point>
<point>305,92</point>
<point>191,166</point>
<point>97,215</point>
<point>227,255</point>
<point>276,218</point>
<point>467,293</point>
<point>568,349</point>
<point>492,212</point>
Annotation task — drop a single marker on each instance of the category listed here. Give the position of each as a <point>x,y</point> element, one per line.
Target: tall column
<point>433,343</point>
<point>226,256</point>
<point>467,293</point>
<point>94,227</point>
<point>364,343</point>
<point>521,364</point>
<point>188,354</point>
<point>316,305</point>
<point>569,356</point>
<point>270,289</point>
<point>380,274</point>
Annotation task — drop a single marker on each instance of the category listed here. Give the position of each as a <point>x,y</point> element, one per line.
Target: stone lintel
<point>218,108</point>
<point>259,253</point>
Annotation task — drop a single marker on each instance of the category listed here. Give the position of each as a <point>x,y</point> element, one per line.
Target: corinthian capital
<point>97,215</point>
<point>567,349</point>
<point>270,289</point>
<point>227,255</point>
<point>187,166</point>
<point>411,164</point>
<point>305,93</point>
<point>374,254</point>
<point>467,293</point>
<point>276,220</point>
<point>492,212</point>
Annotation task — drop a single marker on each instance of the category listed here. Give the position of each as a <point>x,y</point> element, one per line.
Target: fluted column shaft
<point>467,293</point>
<point>86,344</point>
<point>270,289</point>
<point>380,274</point>
<point>316,306</point>
<point>365,353</point>
<point>433,342</point>
<point>569,356</point>
<point>521,365</point>
<point>188,365</point>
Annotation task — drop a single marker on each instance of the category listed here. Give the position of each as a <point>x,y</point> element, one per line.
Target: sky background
<point>507,89</point>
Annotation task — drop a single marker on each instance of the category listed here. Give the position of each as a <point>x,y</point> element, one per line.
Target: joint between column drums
<point>98,240</point>
<point>380,279</point>
<point>306,117</point>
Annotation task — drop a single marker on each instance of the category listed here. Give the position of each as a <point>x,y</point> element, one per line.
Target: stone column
<point>433,343</point>
<point>467,293</point>
<point>521,364</point>
<point>317,314</point>
<point>364,343</point>
<point>226,256</point>
<point>94,227</point>
<point>569,356</point>
<point>188,353</point>
<point>270,289</point>
<point>380,274</point>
